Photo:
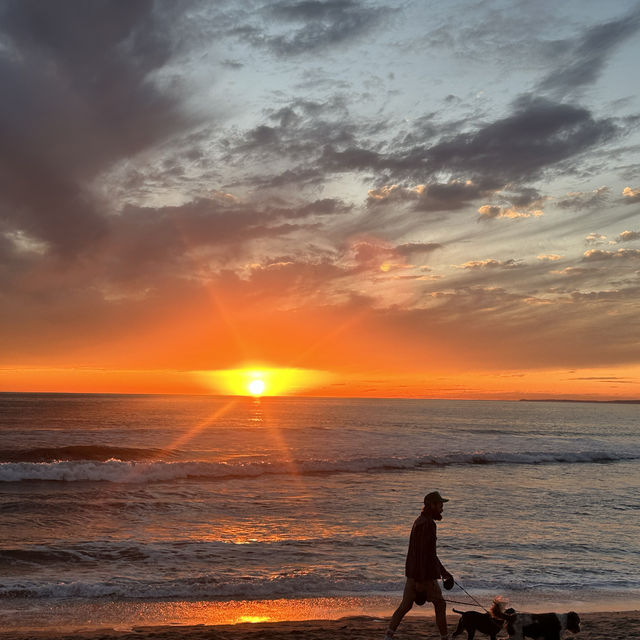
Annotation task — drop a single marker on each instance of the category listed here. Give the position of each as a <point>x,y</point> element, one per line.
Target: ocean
<point>120,510</point>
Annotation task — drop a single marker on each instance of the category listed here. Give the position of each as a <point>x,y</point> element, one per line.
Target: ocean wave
<point>127,471</point>
<point>176,554</point>
<point>204,586</point>
<point>285,585</point>
<point>83,452</point>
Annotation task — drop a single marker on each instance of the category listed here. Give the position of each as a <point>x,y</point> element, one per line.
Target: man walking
<point>423,568</point>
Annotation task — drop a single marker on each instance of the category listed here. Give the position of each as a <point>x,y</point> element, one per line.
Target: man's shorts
<point>427,591</point>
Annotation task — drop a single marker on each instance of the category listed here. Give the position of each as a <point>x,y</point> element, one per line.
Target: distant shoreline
<point>582,401</point>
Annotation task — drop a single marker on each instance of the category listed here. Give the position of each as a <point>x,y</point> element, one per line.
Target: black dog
<point>472,621</point>
<point>489,623</point>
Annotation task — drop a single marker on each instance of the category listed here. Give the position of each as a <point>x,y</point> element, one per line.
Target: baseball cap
<point>434,496</point>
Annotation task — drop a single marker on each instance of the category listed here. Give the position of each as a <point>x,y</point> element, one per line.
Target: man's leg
<point>405,606</point>
<point>440,607</point>
<point>434,594</point>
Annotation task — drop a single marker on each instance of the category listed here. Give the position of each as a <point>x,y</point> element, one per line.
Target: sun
<point>256,387</point>
<point>260,380</point>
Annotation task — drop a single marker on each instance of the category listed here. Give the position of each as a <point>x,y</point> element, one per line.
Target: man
<point>423,568</point>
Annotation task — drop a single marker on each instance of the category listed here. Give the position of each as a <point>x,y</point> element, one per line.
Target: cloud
<point>579,200</point>
<point>595,238</point>
<point>597,255</point>
<point>312,26</point>
<point>631,195</point>
<point>605,379</point>
<point>585,56</point>
<point>436,196</point>
<point>572,271</point>
<point>83,95</point>
<point>537,135</point>
<point>549,257</point>
<point>491,212</point>
<point>491,264</point>
<point>417,248</point>
<point>628,236</point>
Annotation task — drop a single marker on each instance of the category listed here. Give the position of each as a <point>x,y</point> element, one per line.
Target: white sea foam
<point>160,471</point>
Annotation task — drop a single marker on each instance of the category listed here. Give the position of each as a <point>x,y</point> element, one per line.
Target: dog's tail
<point>457,611</point>
<point>497,608</point>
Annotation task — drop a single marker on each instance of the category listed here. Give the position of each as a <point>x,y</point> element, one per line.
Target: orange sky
<point>177,198</point>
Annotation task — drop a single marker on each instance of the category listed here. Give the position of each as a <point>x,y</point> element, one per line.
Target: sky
<point>415,198</point>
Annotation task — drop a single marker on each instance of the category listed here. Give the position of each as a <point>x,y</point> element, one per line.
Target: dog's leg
<point>458,631</point>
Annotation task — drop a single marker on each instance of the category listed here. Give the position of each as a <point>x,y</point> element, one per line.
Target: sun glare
<point>263,381</point>
<point>256,387</point>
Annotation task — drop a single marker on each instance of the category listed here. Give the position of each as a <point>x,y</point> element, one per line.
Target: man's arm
<point>443,572</point>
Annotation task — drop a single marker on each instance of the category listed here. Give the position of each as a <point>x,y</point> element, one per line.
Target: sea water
<point>124,510</point>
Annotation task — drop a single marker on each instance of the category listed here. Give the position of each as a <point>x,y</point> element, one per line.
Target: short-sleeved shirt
<point>422,561</point>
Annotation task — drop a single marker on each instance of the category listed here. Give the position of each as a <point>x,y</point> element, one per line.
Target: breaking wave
<point>145,471</point>
<point>285,585</point>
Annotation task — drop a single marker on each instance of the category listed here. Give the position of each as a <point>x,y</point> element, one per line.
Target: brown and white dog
<point>541,626</point>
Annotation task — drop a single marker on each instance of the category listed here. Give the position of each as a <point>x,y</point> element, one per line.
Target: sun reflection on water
<point>257,611</point>
<point>254,619</point>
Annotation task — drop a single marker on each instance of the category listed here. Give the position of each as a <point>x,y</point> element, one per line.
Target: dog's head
<point>497,608</point>
<point>573,622</point>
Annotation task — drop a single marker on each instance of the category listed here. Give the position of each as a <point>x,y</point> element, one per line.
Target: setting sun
<point>256,387</point>
<point>263,381</point>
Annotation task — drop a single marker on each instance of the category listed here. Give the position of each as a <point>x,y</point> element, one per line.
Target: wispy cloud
<point>584,57</point>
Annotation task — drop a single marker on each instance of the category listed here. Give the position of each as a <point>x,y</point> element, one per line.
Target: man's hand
<point>447,580</point>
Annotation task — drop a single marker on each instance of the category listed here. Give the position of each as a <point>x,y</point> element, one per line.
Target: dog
<point>490,623</point>
<point>541,626</point>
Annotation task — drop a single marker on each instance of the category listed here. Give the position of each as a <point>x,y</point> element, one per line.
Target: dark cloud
<point>536,136</point>
<point>324,207</point>
<point>296,132</point>
<point>436,196</point>
<point>79,95</point>
<point>522,197</point>
<point>583,58</point>
<point>305,143</point>
<point>145,239</point>
<point>417,248</point>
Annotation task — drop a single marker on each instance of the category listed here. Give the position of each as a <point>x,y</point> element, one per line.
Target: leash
<point>477,603</point>
<point>468,604</point>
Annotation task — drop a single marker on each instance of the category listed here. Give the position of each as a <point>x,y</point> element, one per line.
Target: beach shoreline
<point>21,615</point>
<point>595,626</point>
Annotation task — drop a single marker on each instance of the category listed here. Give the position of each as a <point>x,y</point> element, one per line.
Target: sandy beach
<point>595,626</point>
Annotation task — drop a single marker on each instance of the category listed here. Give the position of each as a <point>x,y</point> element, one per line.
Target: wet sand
<point>595,626</point>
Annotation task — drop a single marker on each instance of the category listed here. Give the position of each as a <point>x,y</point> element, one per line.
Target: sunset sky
<point>416,198</point>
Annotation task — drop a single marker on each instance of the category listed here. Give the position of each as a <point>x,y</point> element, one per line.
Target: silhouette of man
<point>423,568</point>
